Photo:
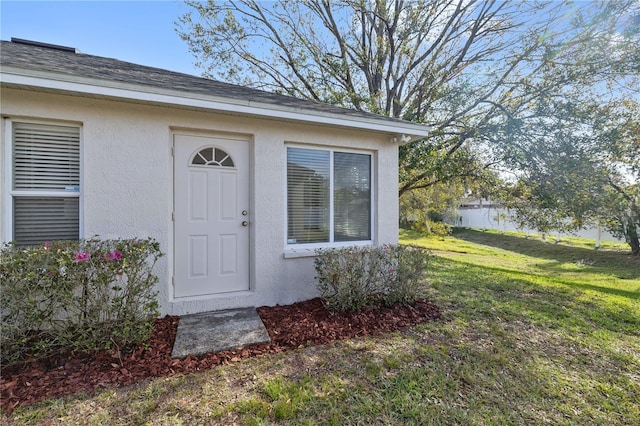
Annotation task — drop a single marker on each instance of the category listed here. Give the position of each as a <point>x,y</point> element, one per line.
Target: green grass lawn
<point>534,333</point>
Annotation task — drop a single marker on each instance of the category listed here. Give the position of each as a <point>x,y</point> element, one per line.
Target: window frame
<point>308,249</point>
<point>11,193</point>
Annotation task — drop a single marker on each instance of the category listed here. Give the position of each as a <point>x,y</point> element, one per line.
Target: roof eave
<point>403,131</point>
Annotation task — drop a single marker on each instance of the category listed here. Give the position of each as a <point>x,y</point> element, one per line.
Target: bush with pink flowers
<point>76,296</point>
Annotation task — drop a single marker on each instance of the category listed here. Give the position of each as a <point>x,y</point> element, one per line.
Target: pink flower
<point>115,255</point>
<point>47,244</point>
<point>390,269</point>
<point>81,256</point>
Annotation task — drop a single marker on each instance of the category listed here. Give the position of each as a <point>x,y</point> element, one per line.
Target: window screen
<point>352,196</point>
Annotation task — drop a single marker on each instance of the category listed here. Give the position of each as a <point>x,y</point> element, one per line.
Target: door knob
<point>245,223</point>
<point>244,212</point>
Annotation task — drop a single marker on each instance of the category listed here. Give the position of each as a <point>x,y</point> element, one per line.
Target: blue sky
<point>135,31</point>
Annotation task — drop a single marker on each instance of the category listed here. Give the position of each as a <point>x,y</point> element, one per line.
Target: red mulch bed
<point>289,327</point>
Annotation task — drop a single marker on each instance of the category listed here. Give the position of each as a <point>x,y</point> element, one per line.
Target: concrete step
<point>217,331</point>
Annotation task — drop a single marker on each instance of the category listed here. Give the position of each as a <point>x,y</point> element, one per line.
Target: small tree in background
<point>586,171</point>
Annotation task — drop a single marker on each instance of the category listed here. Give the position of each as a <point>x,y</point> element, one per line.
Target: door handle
<point>245,223</point>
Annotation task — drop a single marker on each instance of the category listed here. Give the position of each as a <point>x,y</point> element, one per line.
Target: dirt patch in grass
<point>289,327</point>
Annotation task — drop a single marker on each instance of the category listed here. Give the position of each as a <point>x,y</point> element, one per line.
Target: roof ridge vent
<point>45,45</point>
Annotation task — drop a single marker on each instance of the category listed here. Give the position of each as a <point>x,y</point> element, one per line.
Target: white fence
<point>498,218</point>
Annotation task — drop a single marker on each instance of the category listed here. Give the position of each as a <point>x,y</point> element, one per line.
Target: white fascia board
<point>135,92</point>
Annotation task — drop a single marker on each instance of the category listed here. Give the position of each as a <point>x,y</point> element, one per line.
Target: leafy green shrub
<point>406,280</point>
<point>351,278</point>
<point>430,227</point>
<point>76,295</point>
<point>439,229</point>
<point>347,277</point>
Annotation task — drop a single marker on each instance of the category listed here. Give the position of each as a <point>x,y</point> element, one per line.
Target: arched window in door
<point>212,156</point>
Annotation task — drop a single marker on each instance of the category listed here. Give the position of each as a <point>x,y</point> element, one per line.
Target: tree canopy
<point>501,84</point>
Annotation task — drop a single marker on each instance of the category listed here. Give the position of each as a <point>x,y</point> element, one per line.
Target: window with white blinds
<point>45,178</point>
<point>328,196</point>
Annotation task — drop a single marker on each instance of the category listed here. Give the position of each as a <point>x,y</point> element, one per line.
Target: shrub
<point>430,227</point>
<point>347,276</point>
<point>76,295</point>
<point>439,229</point>
<point>350,278</point>
<point>406,280</point>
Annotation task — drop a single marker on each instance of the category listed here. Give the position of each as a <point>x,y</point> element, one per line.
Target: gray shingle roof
<point>45,59</point>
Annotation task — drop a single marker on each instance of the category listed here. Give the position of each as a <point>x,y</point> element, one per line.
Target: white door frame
<point>218,270</point>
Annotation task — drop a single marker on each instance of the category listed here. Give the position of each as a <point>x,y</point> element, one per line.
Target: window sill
<point>294,254</point>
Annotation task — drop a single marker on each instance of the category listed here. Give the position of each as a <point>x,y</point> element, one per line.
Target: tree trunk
<point>631,235</point>
<point>634,242</point>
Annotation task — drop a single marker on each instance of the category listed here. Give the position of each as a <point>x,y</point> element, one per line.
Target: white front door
<point>211,215</point>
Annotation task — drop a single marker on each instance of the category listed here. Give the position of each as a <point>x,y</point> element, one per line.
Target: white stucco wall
<point>127,184</point>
